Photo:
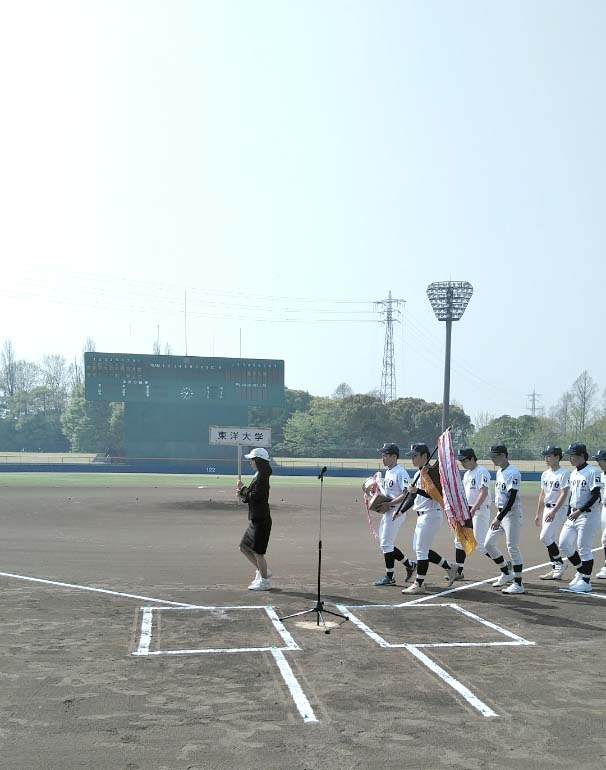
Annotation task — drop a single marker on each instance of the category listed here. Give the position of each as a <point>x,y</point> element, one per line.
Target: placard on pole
<point>239,437</point>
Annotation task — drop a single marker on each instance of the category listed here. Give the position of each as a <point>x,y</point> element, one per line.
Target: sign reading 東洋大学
<point>230,436</point>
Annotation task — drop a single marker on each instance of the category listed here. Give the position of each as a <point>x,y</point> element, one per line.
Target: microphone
<point>322,472</point>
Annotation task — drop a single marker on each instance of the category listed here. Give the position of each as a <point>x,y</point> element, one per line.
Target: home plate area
<point>432,626</point>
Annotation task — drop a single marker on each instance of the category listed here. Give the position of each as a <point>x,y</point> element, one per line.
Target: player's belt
<point>549,505</point>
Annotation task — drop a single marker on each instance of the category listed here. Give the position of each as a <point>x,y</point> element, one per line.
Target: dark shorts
<point>256,536</point>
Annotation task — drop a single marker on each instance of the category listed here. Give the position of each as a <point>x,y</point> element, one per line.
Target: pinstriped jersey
<point>396,481</point>
<point>473,481</point>
<point>582,482</point>
<point>507,479</point>
<point>552,483</point>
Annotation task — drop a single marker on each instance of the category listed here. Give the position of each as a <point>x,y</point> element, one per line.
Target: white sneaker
<point>415,588</point>
<point>256,579</point>
<point>460,576</point>
<point>575,579</point>
<point>452,573</point>
<point>503,579</point>
<point>549,575</point>
<point>581,587</point>
<point>602,573</point>
<point>559,570</point>
<point>514,588</point>
<point>263,585</point>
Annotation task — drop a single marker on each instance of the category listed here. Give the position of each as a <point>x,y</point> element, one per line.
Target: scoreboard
<point>192,380</point>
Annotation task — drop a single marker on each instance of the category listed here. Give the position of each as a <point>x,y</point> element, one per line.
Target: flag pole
<point>416,478</point>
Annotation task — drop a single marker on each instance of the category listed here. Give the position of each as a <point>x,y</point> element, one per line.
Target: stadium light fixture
<point>448,299</point>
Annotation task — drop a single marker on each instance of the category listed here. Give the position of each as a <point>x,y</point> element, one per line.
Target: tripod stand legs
<point>320,612</point>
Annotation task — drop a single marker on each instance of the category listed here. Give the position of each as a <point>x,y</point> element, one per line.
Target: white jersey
<point>582,482</point>
<point>395,482</point>
<point>603,480</point>
<point>473,481</point>
<point>552,484</point>
<point>424,504</point>
<point>507,479</point>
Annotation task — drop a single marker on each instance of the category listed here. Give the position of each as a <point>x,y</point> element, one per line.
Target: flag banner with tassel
<point>373,491</point>
<point>456,507</point>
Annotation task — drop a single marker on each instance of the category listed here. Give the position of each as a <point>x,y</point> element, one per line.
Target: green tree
<point>277,417</point>
<point>35,416</point>
<point>525,437</point>
<point>91,426</point>
<point>315,433</point>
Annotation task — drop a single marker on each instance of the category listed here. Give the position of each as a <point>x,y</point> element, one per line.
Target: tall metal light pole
<point>449,300</point>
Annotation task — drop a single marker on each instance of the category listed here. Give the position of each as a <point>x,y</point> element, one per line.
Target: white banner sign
<point>239,436</point>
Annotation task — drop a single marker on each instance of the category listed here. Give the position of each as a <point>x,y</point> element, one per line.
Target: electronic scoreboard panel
<point>135,378</point>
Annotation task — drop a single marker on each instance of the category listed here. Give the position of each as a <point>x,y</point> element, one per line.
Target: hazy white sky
<point>287,163</point>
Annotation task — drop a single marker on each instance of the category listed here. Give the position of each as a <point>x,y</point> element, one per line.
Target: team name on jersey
<point>582,482</point>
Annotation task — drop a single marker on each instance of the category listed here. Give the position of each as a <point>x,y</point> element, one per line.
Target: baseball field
<point>129,640</point>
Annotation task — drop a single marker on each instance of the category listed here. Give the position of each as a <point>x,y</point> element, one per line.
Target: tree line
<point>42,408</point>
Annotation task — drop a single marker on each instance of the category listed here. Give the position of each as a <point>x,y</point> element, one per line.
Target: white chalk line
<point>281,629</point>
<point>146,631</point>
<point>95,590</point>
<point>147,626</point>
<point>472,699</point>
<point>489,624</point>
<point>296,692</point>
<point>293,685</point>
<point>464,691</point>
<point>475,585</point>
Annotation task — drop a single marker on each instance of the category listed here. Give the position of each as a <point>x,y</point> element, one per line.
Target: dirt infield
<point>100,680</point>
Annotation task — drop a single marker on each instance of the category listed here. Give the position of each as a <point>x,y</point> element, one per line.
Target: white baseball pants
<point>604,526</point>
<point>511,526</point>
<point>388,530</point>
<point>551,529</point>
<point>481,522</point>
<point>426,529</point>
<point>578,535</point>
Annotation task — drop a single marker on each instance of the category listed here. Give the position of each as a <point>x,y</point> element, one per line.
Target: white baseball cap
<point>258,452</point>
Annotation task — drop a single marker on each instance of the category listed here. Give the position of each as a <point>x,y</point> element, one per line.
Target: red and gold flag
<point>456,507</point>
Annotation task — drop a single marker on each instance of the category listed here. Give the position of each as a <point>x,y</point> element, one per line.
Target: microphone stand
<point>318,607</point>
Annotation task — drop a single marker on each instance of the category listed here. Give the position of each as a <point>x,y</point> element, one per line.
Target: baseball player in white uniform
<point>429,521</point>
<point>583,519</point>
<point>551,510</point>
<point>476,483</point>
<point>601,458</point>
<point>508,520</point>
<point>395,484</point>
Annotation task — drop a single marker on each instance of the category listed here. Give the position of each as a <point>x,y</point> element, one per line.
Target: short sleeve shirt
<point>473,481</point>
<point>552,484</point>
<point>506,480</point>
<point>582,482</point>
<point>396,481</point>
<point>424,504</point>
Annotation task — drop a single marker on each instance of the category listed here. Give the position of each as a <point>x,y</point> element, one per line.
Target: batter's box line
<point>300,699</point>
<point>415,649</point>
<point>147,626</point>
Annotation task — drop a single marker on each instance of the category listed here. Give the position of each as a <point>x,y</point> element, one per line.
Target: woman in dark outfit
<point>254,542</point>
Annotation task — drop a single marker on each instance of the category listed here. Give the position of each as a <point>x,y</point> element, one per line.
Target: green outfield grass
<point>177,480</point>
<point>371,463</point>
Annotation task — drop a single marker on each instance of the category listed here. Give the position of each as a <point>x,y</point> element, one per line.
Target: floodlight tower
<point>448,300</point>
